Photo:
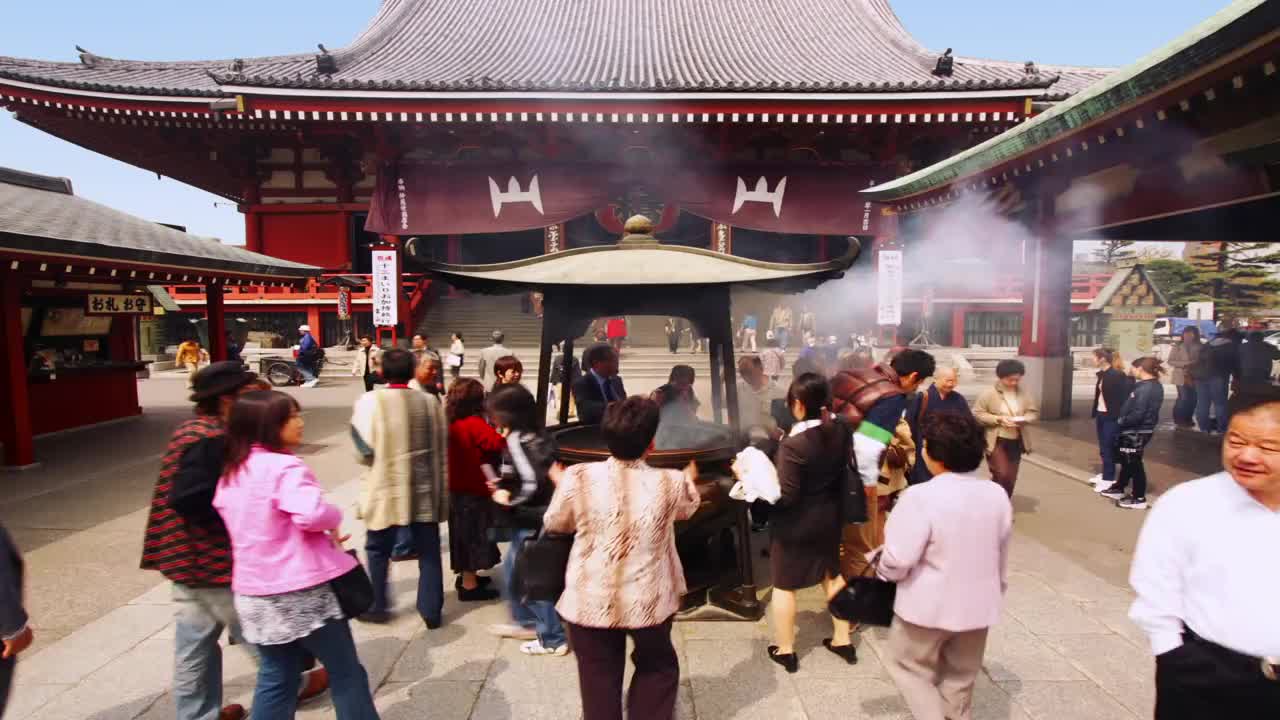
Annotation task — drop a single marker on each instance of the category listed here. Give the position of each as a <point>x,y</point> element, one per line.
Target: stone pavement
<point>1064,649</point>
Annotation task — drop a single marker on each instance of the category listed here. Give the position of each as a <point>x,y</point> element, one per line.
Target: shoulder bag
<point>865,599</point>
<point>542,564</point>
<point>354,590</point>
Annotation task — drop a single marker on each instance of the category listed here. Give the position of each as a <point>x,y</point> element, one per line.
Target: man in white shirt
<point>1208,579</point>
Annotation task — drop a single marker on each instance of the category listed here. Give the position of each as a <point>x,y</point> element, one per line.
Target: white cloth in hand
<point>757,477</point>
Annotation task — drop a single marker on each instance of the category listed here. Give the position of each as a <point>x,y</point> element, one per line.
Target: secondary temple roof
<point>41,215</point>
<point>620,46</point>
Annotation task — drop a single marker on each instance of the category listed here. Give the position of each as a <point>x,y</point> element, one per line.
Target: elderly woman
<point>1005,411</point>
<point>941,396</point>
<point>624,577</point>
<point>947,547</point>
<point>812,463</point>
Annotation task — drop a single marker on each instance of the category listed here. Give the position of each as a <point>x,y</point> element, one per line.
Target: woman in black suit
<point>812,462</point>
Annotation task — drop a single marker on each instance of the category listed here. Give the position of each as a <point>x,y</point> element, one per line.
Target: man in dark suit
<point>14,629</point>
<point>599,386</point>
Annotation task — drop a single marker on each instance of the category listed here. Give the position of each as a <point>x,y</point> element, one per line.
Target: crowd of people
<point>877,474</point>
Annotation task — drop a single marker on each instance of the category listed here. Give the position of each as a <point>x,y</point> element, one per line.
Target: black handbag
<point>866,600</point>
<point>543,562</point>
<point>354,590</point>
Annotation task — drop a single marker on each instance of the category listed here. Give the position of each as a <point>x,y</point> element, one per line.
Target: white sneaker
<point>1096,479</point>
<point>1100,484</point>
<point>311,383</point>
<point>533,647</point>
<point>513,631</point>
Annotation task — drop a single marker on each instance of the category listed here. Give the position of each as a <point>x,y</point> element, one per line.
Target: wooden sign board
<point>117,304</point>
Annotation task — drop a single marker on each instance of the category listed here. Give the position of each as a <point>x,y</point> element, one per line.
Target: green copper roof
<point>1233,27</point>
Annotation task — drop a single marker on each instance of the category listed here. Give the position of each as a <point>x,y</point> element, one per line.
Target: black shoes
<point>848,652</point>
<point>788,661</point>
<point>375,617</point>
<point>483,581</point>
<point>478,594</point>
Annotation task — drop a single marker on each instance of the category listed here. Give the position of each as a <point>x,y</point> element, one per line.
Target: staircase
<point>645,363</point>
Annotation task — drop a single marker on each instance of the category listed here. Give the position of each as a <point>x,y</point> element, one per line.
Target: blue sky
<point>1083,32</point>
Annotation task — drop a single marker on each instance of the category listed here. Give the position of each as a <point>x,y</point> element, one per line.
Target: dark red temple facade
<point>494,131</point>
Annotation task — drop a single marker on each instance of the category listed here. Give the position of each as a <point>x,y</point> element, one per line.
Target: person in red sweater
<point>472,444</point>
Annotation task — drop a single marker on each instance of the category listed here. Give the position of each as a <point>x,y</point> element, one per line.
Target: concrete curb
<point>1067,471</point>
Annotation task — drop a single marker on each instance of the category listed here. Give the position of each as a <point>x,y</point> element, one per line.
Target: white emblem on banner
<point>515,195</point>
<point>889,288</point>
<point>761,195</point>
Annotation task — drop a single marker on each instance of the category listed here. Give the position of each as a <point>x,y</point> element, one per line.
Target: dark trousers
<point>1108,431</point>
<point>369,381</point>
<point>1184,408</point>
<point>1200,679</point>
<point>1211,404</point>
<point>1131,466</point>
<point>6,681</point>
<point>378,546</point>
<point>673,342</point>
<point>602,658</point>
<point>1004,461</point>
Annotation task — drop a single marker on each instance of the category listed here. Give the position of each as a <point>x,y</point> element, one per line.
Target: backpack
<point>854,392</point>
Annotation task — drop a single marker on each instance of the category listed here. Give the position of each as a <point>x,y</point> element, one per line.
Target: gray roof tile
<point>39,214</point>
<point>801,46</point>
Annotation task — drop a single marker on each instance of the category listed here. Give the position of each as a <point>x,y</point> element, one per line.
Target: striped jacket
<point>193,554</point>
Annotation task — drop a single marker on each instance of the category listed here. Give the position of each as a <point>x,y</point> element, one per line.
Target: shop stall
<point>76,277</point>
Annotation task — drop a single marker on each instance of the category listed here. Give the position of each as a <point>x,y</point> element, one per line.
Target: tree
<point>1240,278</point>
<point>1177,282</point>
<point>1113,252</point>
<point>1149,254</point>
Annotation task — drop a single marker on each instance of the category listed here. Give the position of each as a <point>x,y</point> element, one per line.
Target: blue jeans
<point>201,615</point>
<point>276,696</point>
<point>307,370</point>
<point>1212,393</point>
<point>538,614</point>
<point>1184,408</point>
<point>1108,430</point>
<point>404,543</point>
<point>378,546</point>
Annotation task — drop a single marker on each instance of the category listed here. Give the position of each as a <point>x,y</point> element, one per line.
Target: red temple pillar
<point>215,312</point>
<point>253,232</point>
<point>15,428</point>
<point>957,325</point>
<point>1046,314</point>
<point>313,320</point>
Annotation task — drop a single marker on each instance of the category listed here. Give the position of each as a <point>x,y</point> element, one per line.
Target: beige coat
<point>894,479</point>
<point>375,360</point>
<point>401,438</point>
<point>993,405</point>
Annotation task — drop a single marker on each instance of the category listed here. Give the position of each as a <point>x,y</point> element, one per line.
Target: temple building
<point>473,133</point>
<point>1182,146</point>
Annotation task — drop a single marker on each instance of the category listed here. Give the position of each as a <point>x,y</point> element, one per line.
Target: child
<point>522,490</point>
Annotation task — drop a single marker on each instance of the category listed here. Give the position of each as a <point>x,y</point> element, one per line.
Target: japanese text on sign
<point>385,305</point>
<point>344,303</point>
<point>99,304</point>
<point>889,286</point>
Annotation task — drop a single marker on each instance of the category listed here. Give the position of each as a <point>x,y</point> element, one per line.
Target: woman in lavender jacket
<point>287,548</point>
<point>947,546</point>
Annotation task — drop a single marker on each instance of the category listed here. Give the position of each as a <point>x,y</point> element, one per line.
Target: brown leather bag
<point>854,392</point>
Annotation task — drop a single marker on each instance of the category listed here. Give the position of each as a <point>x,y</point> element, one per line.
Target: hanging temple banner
<point>437,199</point>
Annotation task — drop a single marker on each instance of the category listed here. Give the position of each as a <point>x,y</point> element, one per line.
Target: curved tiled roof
<point>41,214</point>
<point>846,46</point>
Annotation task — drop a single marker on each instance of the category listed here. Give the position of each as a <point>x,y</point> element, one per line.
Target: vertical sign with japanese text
<point>344,303</point>
<point>385,300</point>
<point>889,286</point>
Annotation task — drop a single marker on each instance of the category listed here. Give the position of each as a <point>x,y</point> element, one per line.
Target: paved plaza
<point>1063,650</point>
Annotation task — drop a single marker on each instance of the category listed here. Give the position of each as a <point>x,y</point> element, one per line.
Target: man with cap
<point>490,356</point>
<point>186,541</point>
<point>308,353</point>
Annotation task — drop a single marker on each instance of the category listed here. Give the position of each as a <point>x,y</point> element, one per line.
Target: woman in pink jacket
<point>287,548</point>
<point>947,546</point>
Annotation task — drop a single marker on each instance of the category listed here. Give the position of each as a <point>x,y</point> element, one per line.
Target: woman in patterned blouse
<point>624,577</point>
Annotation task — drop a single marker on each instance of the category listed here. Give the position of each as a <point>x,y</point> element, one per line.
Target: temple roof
<point>1227,32</point>
<point>41,215</point>
<point>620,46</point>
